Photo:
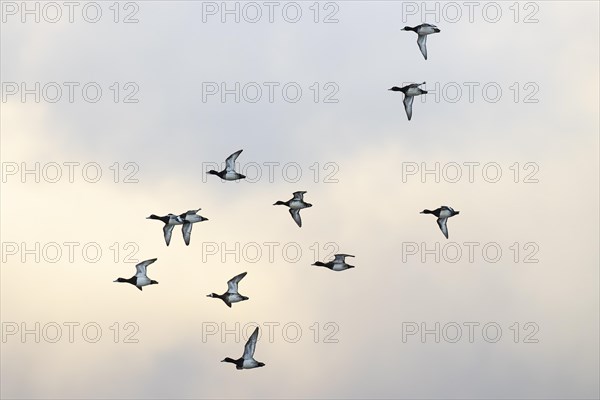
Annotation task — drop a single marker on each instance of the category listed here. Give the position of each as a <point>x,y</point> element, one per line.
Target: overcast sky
<point>512,109</point>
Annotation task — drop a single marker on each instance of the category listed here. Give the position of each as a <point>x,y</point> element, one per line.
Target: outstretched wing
<point>442,224</point>
<point>296,216</point>
<point>250,345</point>
<point>422,42</point>
<point>189,212</point>
<point>299,195</point>
<point>232,284</point>
<point>230,161</point>
<point>408,101</point>
<point>341,257</point>
<point>141,267</point>
<point>186,229</point>
<point>167,230</point>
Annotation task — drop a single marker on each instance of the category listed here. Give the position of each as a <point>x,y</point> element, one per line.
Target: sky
<point>104,123</point>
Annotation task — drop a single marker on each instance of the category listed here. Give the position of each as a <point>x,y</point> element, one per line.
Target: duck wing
<point>141,268</point>
<point>296,216</point>
<point>341,257</point>
<point>442,224</point>
<point>189,212</point>
<point>299,195</point>
<point>168,230</point>
<point>232,284</point>
<point>250,345</point>
<point>186,229</point>
<point>408,102</point>
<point>422,42</point>
<point>230,161</point>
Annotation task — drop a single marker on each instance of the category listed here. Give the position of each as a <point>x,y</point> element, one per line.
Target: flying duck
<point>140,278</point>
<point>422,30</point>
<point>338,263</point>
<point>190,217</point>
<point>231,295</point>
<point>295,204</point>
<point>410,91</point>
<point>229,173</point>
<point>247,361</point>
<point>170,220</point>
<point>443,213</point>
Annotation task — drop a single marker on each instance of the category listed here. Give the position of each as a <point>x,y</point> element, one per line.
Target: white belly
<point>231,176</point>
<point>445,214</point>
<point>235,298</point>
<point>250,363</point>
<point>413,92</point>
<point>426,30</point>
<point>339,266</point>
<point>142,281</point>
<point>296,205</point>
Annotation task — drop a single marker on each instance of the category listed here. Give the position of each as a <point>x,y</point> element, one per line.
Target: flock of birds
<point>295,204</point>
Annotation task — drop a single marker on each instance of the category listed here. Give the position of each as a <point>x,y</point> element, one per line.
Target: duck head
<point>395,89</point>
<point>130,280</point>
